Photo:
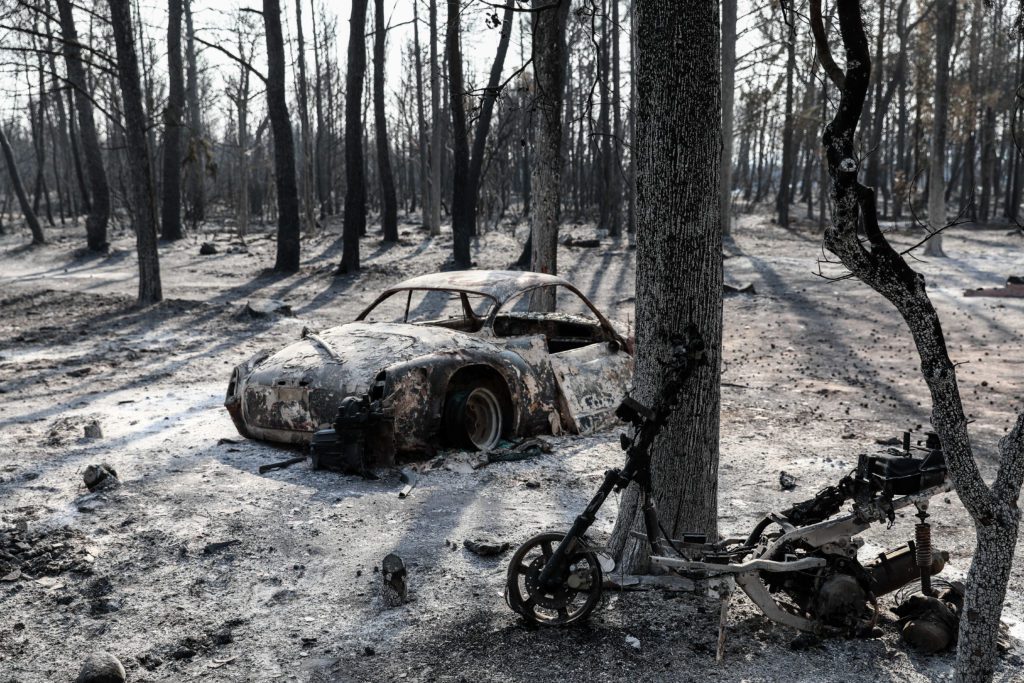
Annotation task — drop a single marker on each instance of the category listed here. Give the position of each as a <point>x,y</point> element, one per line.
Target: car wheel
<point>474,418</point>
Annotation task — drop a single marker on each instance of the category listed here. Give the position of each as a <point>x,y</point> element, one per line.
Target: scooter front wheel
<point>571,599</point>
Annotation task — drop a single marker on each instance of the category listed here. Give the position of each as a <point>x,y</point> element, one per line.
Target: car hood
<point>299,387</point>
<point>349,356</point>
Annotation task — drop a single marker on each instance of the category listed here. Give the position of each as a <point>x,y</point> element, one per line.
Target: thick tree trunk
<point>728,97</point>
<point>462,228</point>
<point>436,126</point>
<point>140,178</point>
<point>549,64</point>
<point>945,35</point>
<point>355,183</point>
<point>19,190</point>
<point>679,260</point>
<point>288,229</point>
<point>389,205</point>
<point>615,184</point>
<point>993,509</point>
<point>171,206</point>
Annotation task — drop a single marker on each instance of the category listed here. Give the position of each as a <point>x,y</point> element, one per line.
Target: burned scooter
<point>799,566</point>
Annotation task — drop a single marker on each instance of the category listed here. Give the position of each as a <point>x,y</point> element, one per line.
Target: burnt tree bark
<point>993,508</point>
<point>784,197</point>
<point>483,121</point>
<point>19,190</point>
<point>306,139</point>
<point>421,125</point>
<point>728,97</point>
<point>140,177</point>
<point>679,260</point>
<point>436,127</point>
<point>389,204</point>
<point>288,225</point>
<point>170,224</point>
<point>355,183</point>
<point>549,64</point>
<point>197,151</point>
<point>462,228</point>
<point>945,34</point>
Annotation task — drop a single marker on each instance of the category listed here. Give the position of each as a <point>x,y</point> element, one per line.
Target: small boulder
<point>207,249</point>
<point>101,667</point>
<point>93,430</point>
<point>100,477</point>
<point>787,482</point>
<point>485,547</point>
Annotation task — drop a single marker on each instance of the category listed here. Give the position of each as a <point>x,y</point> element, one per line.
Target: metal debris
<point>485,547</point>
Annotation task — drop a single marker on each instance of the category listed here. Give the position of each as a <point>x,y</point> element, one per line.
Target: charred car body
<point>451,357</point>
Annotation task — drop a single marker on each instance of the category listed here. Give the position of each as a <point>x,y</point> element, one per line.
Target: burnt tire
<point>474,416</point>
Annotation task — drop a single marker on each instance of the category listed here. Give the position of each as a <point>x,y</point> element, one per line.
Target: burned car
<point>453,358</point>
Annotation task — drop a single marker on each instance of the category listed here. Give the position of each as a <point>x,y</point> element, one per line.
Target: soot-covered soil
<point>198,567</point>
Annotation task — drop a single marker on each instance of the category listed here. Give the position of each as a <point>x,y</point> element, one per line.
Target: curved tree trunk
<point>679,260</point>
<point>171,207</point>
<point>355,183</point>
<point>550,57</point>
<point>19,189</point>
<point>140,177</point>
<point>389,204</point>
<point>876,263</point>
<point>288,230</point>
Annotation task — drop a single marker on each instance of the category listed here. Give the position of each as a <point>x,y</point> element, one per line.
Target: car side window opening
<point>461,311</point>
<point>572,325</point>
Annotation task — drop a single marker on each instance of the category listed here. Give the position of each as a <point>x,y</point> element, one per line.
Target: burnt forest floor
<point>197,567</point>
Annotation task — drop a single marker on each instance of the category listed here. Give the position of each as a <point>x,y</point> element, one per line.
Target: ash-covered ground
<point>197,567</point>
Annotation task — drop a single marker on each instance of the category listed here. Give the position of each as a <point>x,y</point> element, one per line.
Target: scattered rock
<point>531,484</point>
<point>787,482</point>
<point>101,667</point>
<point>394,589</point>
<point>261,308</point>
<point>211,548</point>
<point>100,477</point>
<point>92,430</point>
<point>485,547</point>
<point>739,289</point>
<point>207,249</point>
<point>78,372</point>
<point>633,642</point>
<point>369,651</point>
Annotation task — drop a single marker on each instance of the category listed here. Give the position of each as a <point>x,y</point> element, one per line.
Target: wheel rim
<point>481,418</point>
<point>557,607</point>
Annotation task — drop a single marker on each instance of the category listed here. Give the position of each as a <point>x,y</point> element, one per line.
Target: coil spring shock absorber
<point>923,543</point>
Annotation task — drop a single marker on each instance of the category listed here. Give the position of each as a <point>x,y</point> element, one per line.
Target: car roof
<point>500,285</point>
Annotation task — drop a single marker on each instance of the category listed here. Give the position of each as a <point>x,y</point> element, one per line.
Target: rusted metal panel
<point>592,380</point>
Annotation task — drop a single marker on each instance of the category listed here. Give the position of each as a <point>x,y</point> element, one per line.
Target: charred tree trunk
<point>355,183</point>
<point>421,125</point>
<point>140,178</point>
<point>197,152</point>
<point>679,260</point>
<point>462,228</point>
<point>171,207</point>
<point>784,197</point>
<point>307,141</point>
<point>288,229</point>
<point>19,190</point>
<point>992,508</point>
<point>436,127</point>
<point>945,30</point>
<point>389,204</point>
<point>99,206</point>
<point>483,122</point>
<point>728,97</point>
<point>549,64</point>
